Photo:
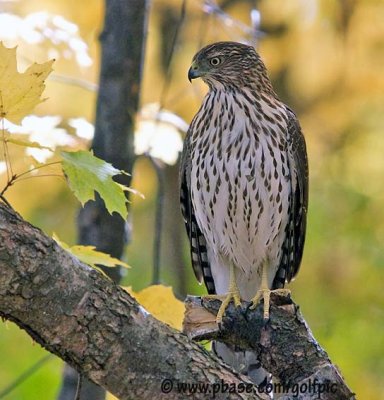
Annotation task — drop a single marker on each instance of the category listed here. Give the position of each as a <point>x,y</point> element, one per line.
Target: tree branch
<point>285,345</point>
<point>95,326</point>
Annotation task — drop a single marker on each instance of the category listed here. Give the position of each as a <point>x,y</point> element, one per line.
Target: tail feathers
<point>245,362</point>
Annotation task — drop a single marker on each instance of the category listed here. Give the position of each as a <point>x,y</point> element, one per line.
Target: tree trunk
<point>122,43</point>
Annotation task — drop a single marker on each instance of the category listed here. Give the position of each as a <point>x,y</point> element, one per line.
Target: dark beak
<point>193,73</point>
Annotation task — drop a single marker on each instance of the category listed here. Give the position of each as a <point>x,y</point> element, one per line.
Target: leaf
<point>89,255</point>
<point>27,143</point>
<point>160,301</point>
<point>20,92</point>
<point>87,174</point>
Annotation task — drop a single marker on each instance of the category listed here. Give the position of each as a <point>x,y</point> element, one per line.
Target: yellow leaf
<point>20,92</point>
<point>26,143</point>
<point>89,255</point>
<point>160,301</point>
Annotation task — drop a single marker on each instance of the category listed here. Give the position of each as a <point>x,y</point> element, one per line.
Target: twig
<point>25,375</point>
<point>78,387</point>
<point>5,201</point>
<point>158,219</point>
<point>16,177</point>
<point>10,182</point>
<point>168,71</point>
<point>70,80</point>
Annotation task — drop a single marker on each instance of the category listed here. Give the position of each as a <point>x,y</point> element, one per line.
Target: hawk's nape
<point>243,184</point>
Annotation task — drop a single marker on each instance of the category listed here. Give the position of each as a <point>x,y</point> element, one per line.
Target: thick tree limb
<point>285,345</point>
<point>95,326</point>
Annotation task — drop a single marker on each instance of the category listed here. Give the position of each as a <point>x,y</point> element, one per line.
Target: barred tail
<point>245,362</point>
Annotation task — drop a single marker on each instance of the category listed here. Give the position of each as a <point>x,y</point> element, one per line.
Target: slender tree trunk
<point>122,43</point>
<point>173,234</point>
<point>174,231</point>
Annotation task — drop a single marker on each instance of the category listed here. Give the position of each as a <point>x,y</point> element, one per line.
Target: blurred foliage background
<point>326,61</point>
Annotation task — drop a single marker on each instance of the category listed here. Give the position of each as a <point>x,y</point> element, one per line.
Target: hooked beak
<point>193,72</point>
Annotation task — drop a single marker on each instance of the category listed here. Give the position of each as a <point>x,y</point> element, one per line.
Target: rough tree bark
<point>285,345</point>
<point>83,317</point>
<point>122,44</point>
<point>100,330</point>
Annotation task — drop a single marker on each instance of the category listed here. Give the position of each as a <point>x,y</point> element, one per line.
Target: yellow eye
<point>215,61</point>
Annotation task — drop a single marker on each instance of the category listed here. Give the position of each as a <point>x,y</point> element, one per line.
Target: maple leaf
<point>160,301</point>
<point>87,174</point>
<point>89,255</point>
<point>20,92</point>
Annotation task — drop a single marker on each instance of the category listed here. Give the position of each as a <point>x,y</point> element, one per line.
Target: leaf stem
<point>5,147</point>
<point>37,167</point>
<point>16,177</point>
<point>40,176</point>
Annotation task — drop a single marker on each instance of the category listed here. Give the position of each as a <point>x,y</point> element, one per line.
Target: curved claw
<point>226,299</point>
<point>233,294</point>
<point>266,295</point>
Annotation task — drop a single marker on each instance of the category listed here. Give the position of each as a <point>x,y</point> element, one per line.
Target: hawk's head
<point>229,64</point>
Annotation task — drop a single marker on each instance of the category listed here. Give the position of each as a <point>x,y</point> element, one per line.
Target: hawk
<point>243,179</point>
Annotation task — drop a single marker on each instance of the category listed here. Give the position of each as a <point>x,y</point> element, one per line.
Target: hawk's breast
<point>240,177</point>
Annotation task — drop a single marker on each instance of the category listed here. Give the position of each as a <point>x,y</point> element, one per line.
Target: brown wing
<point>197,240</point>
<point>298,204</point>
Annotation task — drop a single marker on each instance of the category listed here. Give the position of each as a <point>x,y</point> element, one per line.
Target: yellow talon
<point>233,294</point>
<point>236,299</point>
<point>265,293</point>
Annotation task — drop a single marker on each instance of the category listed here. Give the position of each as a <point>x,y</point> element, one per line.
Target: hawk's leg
<point>233,294</point>
<point>265,293</point>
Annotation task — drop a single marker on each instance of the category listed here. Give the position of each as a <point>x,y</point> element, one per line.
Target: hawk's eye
<point>215,61</point>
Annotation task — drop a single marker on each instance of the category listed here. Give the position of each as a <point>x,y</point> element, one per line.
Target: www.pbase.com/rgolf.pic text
<point>312,387</point>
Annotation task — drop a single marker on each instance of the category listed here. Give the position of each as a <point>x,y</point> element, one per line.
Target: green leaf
<point>89,255</point>
<point>87,174</point>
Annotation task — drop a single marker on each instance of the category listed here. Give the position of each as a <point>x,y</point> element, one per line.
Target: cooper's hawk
<point>243,179</point>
